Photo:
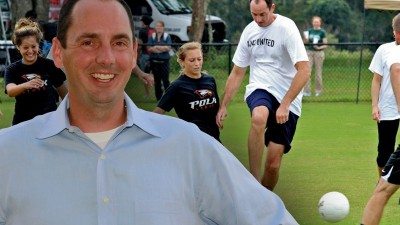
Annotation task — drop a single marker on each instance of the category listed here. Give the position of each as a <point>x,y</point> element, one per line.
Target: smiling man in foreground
<point>99,159</point>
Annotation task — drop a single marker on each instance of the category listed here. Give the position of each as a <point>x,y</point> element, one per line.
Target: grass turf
<point>334,149</point>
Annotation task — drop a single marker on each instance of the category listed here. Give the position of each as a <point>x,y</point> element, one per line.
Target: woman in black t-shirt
<point>194,94</point>
<point>33,81</point>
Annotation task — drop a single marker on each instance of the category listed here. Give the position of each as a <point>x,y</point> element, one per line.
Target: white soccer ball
<point>333,206</point>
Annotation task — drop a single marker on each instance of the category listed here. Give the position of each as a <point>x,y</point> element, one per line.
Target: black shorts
<point>278,133</point>
<point>391,171</point>
<point>387,131</point>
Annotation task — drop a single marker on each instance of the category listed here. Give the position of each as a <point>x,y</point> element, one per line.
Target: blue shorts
<point>278,133</point>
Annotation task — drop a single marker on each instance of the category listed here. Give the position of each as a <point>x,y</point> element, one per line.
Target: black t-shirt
<point>34,102</point>
<point>194,100</point>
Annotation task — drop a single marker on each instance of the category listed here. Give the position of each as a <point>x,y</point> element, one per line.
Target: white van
<point>5,16</point>
<point>177,18</point>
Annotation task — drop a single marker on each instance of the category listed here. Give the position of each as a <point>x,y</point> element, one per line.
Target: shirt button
<point>106,200</point>
<point>102,156</point>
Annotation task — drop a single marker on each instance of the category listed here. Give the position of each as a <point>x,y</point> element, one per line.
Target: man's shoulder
<point>283,20</point>
<point>20,136</point>
<point>386,46</point>
<point>384,51</point>
<point>250,27</point>
<point>26,129</point>
<point>168,123</point>
<point>168,126</point>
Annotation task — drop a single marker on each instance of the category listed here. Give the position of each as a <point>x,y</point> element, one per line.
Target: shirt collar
<point>58,120</point>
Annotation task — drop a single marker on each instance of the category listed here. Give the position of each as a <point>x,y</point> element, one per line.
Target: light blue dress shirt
<point>155,170</point>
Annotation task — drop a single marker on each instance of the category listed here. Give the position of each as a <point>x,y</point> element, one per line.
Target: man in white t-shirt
<point>279,69</point>
<point>390,180</point>
<point>384,106</point>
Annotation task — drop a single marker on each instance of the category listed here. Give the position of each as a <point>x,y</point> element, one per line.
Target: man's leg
<point>157,80</point>
<point>374,209</point>
<point>255,142</point>
<point>319,61</point>
<point>387,132</point>
<point>307,88</point>
<point>272,165</point>
<point>165,75</point>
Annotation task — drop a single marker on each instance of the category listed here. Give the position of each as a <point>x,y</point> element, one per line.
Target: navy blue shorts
<point>391,171</point>
<point>387,132</point>
<point>278,133</point>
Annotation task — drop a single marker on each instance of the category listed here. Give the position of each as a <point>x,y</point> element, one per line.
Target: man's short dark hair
<point>269,2</point>
<point>65,19</point>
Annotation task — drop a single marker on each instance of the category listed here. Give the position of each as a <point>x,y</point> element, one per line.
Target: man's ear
<point>56,53</point>
<point>272,8</point>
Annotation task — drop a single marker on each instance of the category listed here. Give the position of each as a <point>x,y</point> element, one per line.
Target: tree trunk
<point>42,9</point>
<point>18,9</point>
<point>198,18</point>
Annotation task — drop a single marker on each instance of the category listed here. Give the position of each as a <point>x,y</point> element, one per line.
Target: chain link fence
<point>346,77</point>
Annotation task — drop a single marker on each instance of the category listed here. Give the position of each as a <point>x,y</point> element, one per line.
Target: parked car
<point>177,18</point>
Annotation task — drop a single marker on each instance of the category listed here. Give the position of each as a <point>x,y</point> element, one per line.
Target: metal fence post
<point>229,57</point>
<point>360,62</point>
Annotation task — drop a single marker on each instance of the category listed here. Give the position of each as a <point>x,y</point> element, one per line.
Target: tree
<point>198,19</point>
<point>236,14</point>
<point>42,9</point>
<point>339,18</point>
<point>20,7</point>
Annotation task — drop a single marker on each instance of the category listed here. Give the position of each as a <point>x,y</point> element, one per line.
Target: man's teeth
<point>102,76</point>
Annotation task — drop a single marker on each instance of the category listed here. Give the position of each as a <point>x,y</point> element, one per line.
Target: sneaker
<point>307,94</point>
<point>317,94</point>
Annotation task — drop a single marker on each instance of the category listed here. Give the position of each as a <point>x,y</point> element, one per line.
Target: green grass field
<point>333,150</point>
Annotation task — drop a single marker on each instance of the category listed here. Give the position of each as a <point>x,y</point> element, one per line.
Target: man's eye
<point>87,43</point>
<point>121,44</point>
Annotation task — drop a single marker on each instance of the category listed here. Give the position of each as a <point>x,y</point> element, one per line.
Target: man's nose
<point>105,55</point>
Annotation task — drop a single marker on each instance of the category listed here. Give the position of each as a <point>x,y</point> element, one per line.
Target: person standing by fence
<point>384,106</point>
<point>317,37</point>
<point>272,46</point>
<point>159,47</point>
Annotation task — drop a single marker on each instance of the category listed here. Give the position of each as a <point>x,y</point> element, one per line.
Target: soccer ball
<point>333,207</point>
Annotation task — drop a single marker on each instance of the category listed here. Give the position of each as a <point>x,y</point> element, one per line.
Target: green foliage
<point>378,25</point>
<point>338,18</point>
<point>343,19</point>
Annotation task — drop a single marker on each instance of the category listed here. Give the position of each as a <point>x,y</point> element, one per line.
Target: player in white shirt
<point>279,69</point>
<point>390,180</point>
<point>384,106</point>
